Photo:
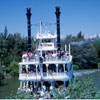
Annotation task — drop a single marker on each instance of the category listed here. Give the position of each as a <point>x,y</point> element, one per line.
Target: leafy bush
<point>14,73</point>
<point>83,89</point>
<point>13,65</point>
<point>20,95</point>
<point>13,69</point>
<point>98,64</point>
<point>75,67</point>
<point>1,77</point>
<point>79,89</point>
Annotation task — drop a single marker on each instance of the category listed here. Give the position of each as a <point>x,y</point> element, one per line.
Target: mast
<point>58,26</point>
<point>28,14</point>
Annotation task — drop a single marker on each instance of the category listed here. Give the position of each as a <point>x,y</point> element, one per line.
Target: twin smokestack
<point>58,26</point>
<point>28,14</point>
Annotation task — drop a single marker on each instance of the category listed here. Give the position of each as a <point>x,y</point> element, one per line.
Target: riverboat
<point>48,66</point>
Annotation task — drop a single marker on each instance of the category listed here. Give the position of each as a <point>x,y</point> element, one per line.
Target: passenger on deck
<point>23,70</point>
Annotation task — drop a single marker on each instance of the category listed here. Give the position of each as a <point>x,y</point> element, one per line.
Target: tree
<point>3,46</point>
<point>79,36</point>
<point>85,56</point>
<point>96,45</point>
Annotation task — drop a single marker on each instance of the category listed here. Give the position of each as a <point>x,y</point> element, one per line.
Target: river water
<point>13,84</point>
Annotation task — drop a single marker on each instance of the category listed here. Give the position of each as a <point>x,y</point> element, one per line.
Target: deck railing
<point>44,75</point>
<point>46,59</point>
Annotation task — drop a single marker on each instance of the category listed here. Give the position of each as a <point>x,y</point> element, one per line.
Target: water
<point>11,85</point>
<point>94,73</point>
<point>96,78</point>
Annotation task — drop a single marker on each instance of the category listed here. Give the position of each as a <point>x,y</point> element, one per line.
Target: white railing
<point>46,59</point>
<point>30,59</point>
<point>44,75</point>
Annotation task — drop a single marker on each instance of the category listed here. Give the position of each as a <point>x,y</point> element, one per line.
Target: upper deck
<point>48,58</point>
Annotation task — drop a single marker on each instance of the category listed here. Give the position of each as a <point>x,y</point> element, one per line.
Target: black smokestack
<point>58,26</point>
<point>28,14</point>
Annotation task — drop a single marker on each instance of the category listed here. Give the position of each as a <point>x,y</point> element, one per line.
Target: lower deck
<point>36,72</point>
<point>37,86</point>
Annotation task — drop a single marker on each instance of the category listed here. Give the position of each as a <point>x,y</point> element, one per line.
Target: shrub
<point>79,89</point>
<point>20,95</point>
<point>75,67</point>
<point>13,69</point>
<point>14,73</point>
<point>83,89</point>
<point>98,64</point>
<point>1,77</point>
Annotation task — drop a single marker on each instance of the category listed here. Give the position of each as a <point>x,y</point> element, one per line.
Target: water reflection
<point>11,85</point>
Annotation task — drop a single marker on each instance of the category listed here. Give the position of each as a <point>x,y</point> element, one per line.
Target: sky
<point>76,16</point>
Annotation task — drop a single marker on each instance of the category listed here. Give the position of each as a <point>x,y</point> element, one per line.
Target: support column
<point>27,84</point>
<point>26,68</point>
<point>20,69</point>
<point>57,69</point>
<point>47,68</point>
<point>20,84</point>
<point>24,85</point>
<point>64,83</point>
<point>33,83</point>
<point>65,47</point>
<point>51,87</point>
<point>36,69</point>
<point>64,67</point>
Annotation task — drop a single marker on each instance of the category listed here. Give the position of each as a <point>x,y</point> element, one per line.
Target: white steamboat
<point>46,67</point>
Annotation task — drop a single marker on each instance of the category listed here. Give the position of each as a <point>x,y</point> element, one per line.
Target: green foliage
<point>13,69</point>
<point>98,64</point>
<point>83,89</point>
<point>79,89</point>
<point>1,77</point>
<point>13,65</point>
<point>79,36</point>
<point>75,67</point>
<point>85,56</point>
<point>96,45</point>
<point>21,95</point>
<point>11,47</point>
<point>59,93</point>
